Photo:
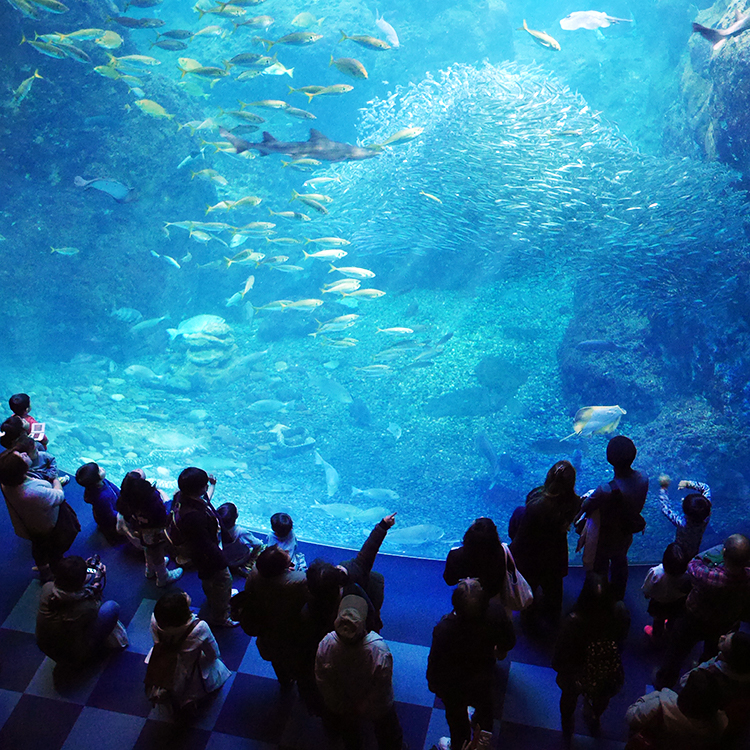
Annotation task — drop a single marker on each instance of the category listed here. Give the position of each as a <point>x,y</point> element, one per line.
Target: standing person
<point>241,547</point>
<point>274,597</point>
<point>354,673</point>
<point>142,519</point>
<point>465,645</point>
<point>38,512</point>
<point>716,602</point>
<point>73,624</point>
<point>480,556</point>
<point>690,525</point>
<point>199,670</point>
<point>587,653</point>
<point>199,526</point>
<point>619,503</point>
<point>666,587</point>
<point>539,533</point>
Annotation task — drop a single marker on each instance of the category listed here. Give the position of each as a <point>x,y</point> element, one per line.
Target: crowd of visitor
<point>319,624</point>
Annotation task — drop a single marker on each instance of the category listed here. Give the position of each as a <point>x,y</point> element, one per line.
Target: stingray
<point>590,19</point>
<point>596,420</point>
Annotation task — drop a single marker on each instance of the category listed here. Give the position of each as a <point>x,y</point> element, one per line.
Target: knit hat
<point>350,623</point>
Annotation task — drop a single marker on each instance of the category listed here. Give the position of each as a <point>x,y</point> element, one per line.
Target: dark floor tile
<point>38,724</point>
<point>120,688</point>
<point>160,735</point>
<point>414,721</point>
<point>255,708</point>
<point>19,659</point>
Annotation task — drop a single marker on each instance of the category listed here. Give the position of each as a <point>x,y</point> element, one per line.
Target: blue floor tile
<point>19,659</point>
<point>23,616</point>
<point>120,687</point>
<point>255,708</point>
<point>58,683</point>
<point>415,721</point>
<point>157,735</point>
<point>38,724</point>
<point>139,628</point>
<point>409,670</point>
<point>8,701</point>
<point>532,697</point>
<point>96,729</point>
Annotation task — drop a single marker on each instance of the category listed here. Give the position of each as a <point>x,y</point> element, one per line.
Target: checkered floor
<point>104,708</point>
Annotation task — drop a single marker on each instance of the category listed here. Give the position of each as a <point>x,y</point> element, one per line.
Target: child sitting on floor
<point>666,587</point>
<point>283,536</point>
<point>241,547</point>
<point>102,496</point>
<point>696,511</point>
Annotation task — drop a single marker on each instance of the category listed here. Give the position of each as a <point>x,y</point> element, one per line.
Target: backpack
<point>162,666</point>
<point>602,675</point>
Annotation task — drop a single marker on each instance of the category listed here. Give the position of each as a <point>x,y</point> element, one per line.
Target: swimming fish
<point>545,40</point>
<point>121,193</point>
<point>370,42</point>
<point>413,536</point>
<point>349,66</point>
<point>345,511</point>
<point>590,19</point>
<point>596,420</point>
<point>332,476</point>
<point>387,29</point>
<point>376,493</point>
<point>65,250</point>
<point>317,146</point>
<point>717,37</point>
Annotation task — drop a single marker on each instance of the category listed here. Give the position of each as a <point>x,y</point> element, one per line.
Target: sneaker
<point>649,631</point>
<point>64,479</point>
<point>444,743</point>
<point>172,576</point>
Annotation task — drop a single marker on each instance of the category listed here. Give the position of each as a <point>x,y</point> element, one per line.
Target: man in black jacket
<point>198,525</point>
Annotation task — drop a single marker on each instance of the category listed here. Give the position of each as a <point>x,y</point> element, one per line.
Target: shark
<point>717,37</point>
<point>317,146</point>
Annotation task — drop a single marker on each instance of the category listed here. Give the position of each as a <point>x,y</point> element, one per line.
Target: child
<point>696,508</point>
<point>102,496</point>
<point>20,405</point>
<point>199,670</point>
<point>284,538</point>
<point>241,547</point>
<point>666,587</point>
<point>43,464</point>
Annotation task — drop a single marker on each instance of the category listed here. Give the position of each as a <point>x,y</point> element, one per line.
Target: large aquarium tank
<point>355,258</point>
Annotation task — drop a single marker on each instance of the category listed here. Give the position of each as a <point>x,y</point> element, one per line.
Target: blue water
<point>536,205</point>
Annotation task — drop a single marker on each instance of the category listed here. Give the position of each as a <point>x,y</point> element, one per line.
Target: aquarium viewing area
<point>359,259</point>
<point>398,300</point>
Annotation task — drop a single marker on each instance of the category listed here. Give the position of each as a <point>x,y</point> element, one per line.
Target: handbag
<point>66,529</point>
<point>516,594</point>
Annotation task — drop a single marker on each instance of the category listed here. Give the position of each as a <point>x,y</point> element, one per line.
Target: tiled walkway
<point>104,708</point>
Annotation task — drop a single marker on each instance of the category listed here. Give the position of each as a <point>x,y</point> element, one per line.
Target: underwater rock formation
<point>715,87</point>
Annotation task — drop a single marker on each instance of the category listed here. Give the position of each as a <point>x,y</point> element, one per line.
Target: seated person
<point>101,495</point>
<point>73,625</point>
<point>43,464</point>
<point>730,672</point>
<point>200,670</point>
<point>241,547</point>
<point>20,405</point>
<point>283,536</point>
<point>689,721</point>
